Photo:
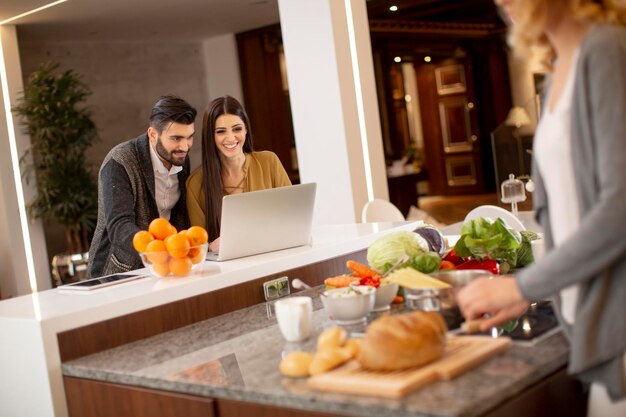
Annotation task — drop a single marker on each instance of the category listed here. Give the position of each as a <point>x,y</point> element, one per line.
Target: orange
<point>161,270</point>
<point>156,252</point>
<point>197,235</point>
<point>196,255</point>
<point>141,240</point>
<point>178,245</point>
<point>160,228</point>
<point>180,266</point>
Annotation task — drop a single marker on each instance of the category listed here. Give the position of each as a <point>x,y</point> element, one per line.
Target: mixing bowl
<point>442,298</point>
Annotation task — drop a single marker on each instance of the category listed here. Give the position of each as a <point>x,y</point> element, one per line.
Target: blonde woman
<point>580,198</point>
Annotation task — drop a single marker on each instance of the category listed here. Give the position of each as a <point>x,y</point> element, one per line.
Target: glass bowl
<point>442,298</point>
<point>162,264</point>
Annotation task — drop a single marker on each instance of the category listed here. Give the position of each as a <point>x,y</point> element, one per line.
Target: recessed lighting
<point>397,59</point>
<point>426,59</point>
<point>393,8</point>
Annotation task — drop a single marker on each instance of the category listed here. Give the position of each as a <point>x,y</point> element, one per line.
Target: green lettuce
<point>483,239</point>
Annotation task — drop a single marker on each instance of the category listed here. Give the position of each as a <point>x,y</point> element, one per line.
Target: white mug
<point>295,317</point>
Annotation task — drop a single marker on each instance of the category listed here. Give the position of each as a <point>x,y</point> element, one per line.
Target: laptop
<point>265,221</point>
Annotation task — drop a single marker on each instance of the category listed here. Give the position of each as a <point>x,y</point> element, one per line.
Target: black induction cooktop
<point>539,320</point>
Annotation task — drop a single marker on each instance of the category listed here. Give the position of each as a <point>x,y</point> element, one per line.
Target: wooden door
<point>450,126</point>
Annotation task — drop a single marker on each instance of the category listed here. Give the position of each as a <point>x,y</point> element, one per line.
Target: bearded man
<point>140,180</point>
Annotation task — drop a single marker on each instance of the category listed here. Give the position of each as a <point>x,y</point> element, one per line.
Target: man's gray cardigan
<point>595,256</point>
<point>126,204</point>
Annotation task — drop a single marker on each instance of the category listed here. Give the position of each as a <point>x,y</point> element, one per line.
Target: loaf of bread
<point>395,342</point>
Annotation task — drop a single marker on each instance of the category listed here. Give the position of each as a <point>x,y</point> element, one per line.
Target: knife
<point>467,327</point>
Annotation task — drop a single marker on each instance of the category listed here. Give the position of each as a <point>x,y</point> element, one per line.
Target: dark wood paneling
<point>266,101</point>
<point>230,408</point>
<point>557,395</point>
<point>87,398</point>
<point>131,327</point>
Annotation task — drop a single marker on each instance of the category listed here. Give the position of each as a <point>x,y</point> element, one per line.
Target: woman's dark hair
<point>169,109</point>
<point>212,184</point>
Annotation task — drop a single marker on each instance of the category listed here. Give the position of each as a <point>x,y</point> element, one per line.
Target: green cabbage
<point>388,249</point>
<point>427,262</point>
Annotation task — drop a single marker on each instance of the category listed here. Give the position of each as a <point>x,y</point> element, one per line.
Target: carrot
<point>339,281</point>
<point>398,299</point>
<point>361,270</point>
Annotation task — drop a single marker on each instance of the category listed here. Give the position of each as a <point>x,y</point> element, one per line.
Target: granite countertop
<point>236,356</point>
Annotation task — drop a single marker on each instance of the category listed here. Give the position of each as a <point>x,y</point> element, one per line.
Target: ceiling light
<point>427,59</point>
<point>393,8</point>
<point>397,59</point>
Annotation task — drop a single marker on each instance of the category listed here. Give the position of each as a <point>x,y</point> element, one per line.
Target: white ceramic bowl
<point>385,294</point>
<point>349,305</point>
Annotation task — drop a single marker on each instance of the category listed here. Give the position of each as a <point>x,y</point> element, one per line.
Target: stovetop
<point>538,321</point>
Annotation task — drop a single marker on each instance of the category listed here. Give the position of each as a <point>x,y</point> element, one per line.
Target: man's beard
<point>168,156</point>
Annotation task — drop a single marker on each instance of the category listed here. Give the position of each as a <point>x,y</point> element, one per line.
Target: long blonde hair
<point>530,21</point>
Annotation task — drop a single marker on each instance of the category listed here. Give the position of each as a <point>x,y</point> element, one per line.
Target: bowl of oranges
<point>166,251</point>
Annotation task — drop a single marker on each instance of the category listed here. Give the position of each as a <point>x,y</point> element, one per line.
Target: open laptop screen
<point>265,221</point>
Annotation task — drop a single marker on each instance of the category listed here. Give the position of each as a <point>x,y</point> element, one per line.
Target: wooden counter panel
<point>87,398</point>
<point>231,408</point>
<point>131,327</point>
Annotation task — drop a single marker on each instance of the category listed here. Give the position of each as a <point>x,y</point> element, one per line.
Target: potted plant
<point>60,127</point>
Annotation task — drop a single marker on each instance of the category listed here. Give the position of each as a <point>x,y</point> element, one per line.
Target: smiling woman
<point>229,165</point>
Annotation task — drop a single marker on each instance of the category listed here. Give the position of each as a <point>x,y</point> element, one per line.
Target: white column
<point>334,106</point>
<point>22,245</point>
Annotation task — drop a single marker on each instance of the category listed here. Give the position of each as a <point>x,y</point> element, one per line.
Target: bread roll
<point>403,341</point>
<point>328,359</point>
<point>331,338</point>
<point>296,364</point>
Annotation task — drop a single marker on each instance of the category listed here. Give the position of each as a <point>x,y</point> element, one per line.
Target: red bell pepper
<point>453,257</point>
<point>486,265</point>
<point>370,281</point>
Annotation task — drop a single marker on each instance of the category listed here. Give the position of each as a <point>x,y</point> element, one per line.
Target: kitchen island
<point>228,366</point>
<point>44,329</point>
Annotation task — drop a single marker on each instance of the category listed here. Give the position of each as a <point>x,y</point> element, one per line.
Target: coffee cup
<point>295,317</point>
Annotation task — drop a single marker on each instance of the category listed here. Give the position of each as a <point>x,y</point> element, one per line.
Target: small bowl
<point>349,305</point>
<point>162,264</point>
<point>442,298</point>
<point>385,294</point>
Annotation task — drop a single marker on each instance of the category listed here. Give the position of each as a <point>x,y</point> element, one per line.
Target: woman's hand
<point>499,298</point>
<point>215,245</point>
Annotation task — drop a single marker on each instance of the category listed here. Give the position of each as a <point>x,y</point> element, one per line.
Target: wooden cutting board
<point>461,354</point>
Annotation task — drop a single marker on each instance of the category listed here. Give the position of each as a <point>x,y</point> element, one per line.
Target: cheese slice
<point>416,280</point>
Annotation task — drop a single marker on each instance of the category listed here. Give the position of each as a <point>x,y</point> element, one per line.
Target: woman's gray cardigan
<point>595,256</point>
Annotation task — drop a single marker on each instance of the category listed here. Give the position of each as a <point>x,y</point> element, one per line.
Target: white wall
<point>126,79</point>
<point>221,65</point>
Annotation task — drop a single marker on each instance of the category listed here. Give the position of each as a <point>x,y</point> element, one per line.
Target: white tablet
<point>105,281</point>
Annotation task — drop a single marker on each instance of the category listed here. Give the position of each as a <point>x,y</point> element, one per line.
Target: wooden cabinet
<point>88,398</point>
